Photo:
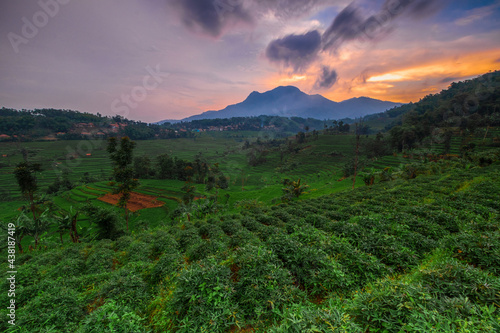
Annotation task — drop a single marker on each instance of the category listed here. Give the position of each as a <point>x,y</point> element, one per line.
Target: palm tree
<point>67,222</point>
<point>36,227</point>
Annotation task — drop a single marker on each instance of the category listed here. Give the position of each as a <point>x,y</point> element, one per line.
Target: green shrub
<point>187,237</point>
<point>203,249</point>
<point>108,223</point>
<point>162,242</point>
<point>166,265</point>
<point>308,318</point>
<point>310,267</point>
<point>54,306</point>
<point>261,282</point>
<point>449,278</point>
<point>139,250</point>
<point>441,290</point>
<point>481,249</point>
<point>231,226</point>
<point>113,317</point>
<point>128,284</point>
<point>243,237</point>
<point>361,267</point>
<point>203,298</point>
<point>99,260</point>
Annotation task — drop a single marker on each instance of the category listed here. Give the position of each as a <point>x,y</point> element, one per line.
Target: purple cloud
<point>327,78</point>
<point>350,24</point>
<point>214,17</point>
<point>210,17</point>
<point>296,51</point>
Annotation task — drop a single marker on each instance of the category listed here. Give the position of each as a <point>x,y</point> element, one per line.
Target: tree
<point>25,173</point>
<point>300,137</point>
<point>143,167</point>
<point>67,222</point>
<point>35,228</point>
<point>356,156</point>
<point>369,176</point>
<point>293,189</point>
<point>106,221</point>
<point>123,171</point>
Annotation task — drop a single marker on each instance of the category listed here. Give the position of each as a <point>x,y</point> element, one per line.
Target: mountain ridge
<point>290,101</point>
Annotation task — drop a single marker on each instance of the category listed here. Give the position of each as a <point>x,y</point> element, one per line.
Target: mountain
<point>289,101</point>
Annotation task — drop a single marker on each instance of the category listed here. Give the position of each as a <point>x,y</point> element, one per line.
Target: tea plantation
<point>403,255</point>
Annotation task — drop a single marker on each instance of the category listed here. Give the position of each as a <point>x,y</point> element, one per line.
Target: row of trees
<point>165,166</point>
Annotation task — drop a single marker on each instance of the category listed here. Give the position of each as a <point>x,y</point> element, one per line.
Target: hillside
<point>466,105</point>
<point>289,101</point>
<point>407,255</point>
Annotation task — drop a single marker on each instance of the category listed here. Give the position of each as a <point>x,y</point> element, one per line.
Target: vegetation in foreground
<point>405,255</point>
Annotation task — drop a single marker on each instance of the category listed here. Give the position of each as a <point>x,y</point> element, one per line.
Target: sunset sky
<point>168,59</point>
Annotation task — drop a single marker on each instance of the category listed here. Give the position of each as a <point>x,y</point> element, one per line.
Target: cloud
<point>211,17</point>
<point>449,79</point>
<point>327,78</point>
<point>350,24</point>
<point>477,14</point>
<point>214,17</point>
<point>300,51</point>
<point>346,26</point>
<point>296,51</point>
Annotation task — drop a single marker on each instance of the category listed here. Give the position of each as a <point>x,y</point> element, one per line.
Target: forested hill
<point>54,124</point>
<point>465,105</point>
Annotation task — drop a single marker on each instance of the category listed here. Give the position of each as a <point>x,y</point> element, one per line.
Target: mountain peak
<point>290,101</point>
<point>286,89</point>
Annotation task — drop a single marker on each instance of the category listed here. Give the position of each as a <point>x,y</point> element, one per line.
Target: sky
<point>151,60</point>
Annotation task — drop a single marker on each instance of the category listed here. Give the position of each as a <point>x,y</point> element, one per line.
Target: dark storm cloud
<point>350,24</point>
<point>296,51</point>
<point>210,16</point>
<point>346,26</point>
<point>299,51</point>
<point>327,78</point>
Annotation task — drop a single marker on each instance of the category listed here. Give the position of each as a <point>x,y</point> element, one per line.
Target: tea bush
<point>261,282</point>
<point>113,317</point>
<point>203,298</point>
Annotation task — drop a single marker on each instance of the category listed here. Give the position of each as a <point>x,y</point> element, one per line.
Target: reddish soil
<point>137,201</point>
<point>246,329</point>
<point>235,269</point>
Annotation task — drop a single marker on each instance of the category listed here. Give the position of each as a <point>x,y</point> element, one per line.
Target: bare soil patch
<point>137,201</point>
